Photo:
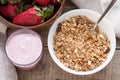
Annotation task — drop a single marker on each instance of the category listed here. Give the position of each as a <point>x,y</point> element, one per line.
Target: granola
<point>76,47</point>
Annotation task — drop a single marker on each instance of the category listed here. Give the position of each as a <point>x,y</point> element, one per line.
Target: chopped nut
<point>89,62</point>
<point>76,47</point>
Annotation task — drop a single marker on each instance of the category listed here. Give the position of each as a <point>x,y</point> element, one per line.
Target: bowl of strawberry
<point>31,14</point>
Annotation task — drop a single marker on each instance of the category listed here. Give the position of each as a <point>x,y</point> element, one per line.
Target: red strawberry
<point>42,2</point>
<point>8,10</point>
<point>55,2</point>
<point>30,17</point>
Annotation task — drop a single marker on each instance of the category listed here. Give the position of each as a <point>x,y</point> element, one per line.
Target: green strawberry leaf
<point>3,1</point>
<point>20,8</point>
<point>48,11</point>
<point>37,8</point>
<point>45,12</point>
<point>39,11</point>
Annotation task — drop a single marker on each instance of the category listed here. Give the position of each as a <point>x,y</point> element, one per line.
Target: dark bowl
<point>36,27</point>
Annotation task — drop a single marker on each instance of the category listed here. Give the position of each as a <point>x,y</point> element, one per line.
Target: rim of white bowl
<point>62,66</point>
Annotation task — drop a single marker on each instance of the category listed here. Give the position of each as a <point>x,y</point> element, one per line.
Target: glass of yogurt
<point>24,48</point>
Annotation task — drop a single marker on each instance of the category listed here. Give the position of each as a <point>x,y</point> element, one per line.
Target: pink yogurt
<point>24,48</point>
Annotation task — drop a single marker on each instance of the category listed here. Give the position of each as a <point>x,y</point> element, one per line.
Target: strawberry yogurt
<point>24,48</point>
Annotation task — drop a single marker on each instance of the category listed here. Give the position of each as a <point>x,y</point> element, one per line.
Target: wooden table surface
<point>48,70</point>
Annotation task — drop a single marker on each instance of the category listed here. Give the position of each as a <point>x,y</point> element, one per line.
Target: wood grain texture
<point>118,44</point>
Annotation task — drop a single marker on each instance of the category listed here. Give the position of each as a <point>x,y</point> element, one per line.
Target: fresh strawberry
<point>42,2</point>
<point>8,10</point>
<point>32,16</point>
<point>14,1</point>
<point>56,2</point>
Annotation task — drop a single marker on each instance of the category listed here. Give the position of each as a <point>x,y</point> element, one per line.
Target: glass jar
<point>24,48</point>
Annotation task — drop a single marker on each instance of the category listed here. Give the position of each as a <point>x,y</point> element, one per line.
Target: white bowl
<point>104,26</point>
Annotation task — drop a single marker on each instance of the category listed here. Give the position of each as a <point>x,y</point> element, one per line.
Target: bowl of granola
<point>31,14</point>
<point>77,50</point>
